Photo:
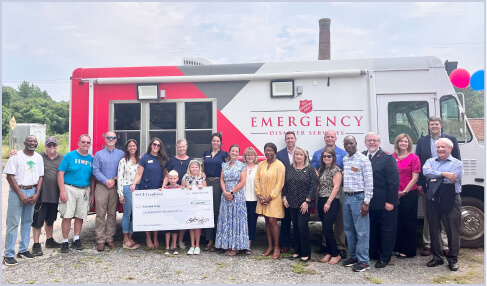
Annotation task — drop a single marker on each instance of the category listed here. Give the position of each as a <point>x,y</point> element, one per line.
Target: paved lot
<point>143,266</point>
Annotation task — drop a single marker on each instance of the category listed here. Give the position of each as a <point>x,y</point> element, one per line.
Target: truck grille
<point>470,166</point>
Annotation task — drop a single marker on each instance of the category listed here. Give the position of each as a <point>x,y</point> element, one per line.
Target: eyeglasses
<point>85,142</point>
<point>51,145</point>
<point>327,156</point>
<point>156,145</point>
<point>372,140</point>
<point>111,137</point>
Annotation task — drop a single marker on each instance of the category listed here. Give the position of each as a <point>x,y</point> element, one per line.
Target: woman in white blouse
<point>127,169</point>
<point>250,159</point>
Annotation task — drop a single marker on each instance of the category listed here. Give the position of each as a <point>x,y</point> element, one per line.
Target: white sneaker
<point>190,251</point>
<point>182,245</point>
<point>197,251</point>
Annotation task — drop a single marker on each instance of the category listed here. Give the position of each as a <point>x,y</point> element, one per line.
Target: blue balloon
<point>477,81</point>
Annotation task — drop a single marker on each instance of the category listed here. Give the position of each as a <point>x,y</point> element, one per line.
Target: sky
<point>44,42</point>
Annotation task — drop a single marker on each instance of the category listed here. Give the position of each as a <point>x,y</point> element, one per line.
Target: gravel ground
<point>141,266</point>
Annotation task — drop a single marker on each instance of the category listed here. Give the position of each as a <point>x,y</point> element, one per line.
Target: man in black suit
<point>286,157</point>
<point>383,206</point>
<point>426,149</point>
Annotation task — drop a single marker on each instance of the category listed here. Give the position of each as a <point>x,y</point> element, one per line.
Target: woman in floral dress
<point>232,230</point>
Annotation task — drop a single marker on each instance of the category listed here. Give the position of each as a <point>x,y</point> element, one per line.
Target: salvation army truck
<point>255,103</point>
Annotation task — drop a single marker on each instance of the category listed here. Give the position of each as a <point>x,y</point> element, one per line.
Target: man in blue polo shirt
<point>75,182</point>
<point>105,169</point>
<point>330,142</point>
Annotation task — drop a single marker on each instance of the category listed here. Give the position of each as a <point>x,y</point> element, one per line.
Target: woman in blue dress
<point>232,230</point>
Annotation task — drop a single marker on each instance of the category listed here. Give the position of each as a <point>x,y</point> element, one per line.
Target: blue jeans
<point>127,225</point>
<point>17,212</point>
<point>356,227</point>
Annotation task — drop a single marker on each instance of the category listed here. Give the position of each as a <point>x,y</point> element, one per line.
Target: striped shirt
<point>357,175</point>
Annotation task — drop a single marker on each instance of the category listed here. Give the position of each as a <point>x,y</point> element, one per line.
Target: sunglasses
<point>85,142</point>
<point>111,137</point>
<point>327,156</point>
<point>51,145</point>
<point>156,145</point>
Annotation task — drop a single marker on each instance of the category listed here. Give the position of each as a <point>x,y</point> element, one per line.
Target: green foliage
<point>474,102</point>
<point>31,105</point>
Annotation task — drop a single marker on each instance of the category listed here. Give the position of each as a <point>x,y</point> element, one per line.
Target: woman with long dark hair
<point>330,190</point>
<point>212,168</point>
<point>127,170</point>
<point>151,173</point>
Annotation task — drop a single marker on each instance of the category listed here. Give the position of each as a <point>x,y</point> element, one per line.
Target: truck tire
<point>472,224</point>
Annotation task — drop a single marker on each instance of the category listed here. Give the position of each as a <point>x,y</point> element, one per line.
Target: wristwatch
<point>308,201</point>
<point>231,192</point>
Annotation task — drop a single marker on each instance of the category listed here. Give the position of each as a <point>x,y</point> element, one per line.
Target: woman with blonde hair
<point>298,194</point>
<point>409,167</point>
<point>250,159</point>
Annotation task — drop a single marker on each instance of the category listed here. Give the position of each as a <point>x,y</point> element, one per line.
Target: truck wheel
<point>472,224</point>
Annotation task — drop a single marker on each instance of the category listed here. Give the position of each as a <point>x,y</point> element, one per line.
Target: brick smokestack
<point>324,42</point>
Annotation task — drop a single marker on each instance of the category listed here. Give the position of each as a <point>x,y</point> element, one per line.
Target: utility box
<point>22,130</point>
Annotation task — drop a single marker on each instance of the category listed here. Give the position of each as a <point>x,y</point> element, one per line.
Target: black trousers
<point>285,232</point>
<point>451,221</point>
<point>383,228</point>
<point>252,218</point>
<point>327,221</point>
<point>301,232</point>
<point>407,224</point>
<point>217,193</point>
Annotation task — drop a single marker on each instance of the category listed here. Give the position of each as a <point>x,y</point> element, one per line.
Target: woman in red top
<point>409,167</point>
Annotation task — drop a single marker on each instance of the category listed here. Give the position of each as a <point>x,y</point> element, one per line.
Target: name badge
<point>208,156</point>
<point>354,169</point>
<point>150,161</point>
<point>433,180</point>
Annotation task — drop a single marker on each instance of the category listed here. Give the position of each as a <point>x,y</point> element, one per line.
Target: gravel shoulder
<point>141,266</point>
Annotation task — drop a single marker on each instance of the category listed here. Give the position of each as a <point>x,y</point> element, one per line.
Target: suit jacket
<point>386,180</point>
<point>282,156</point>
<point>423,150</point>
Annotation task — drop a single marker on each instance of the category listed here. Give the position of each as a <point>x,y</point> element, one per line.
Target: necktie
<point>370,156</point>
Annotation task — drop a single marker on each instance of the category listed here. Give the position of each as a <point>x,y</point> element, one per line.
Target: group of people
<point>367,201</point>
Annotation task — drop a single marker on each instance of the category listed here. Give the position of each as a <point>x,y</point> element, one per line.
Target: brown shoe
<point>446,252</point>
<point>111,244</point>
<point>426,252</point>
<point>100,247</point>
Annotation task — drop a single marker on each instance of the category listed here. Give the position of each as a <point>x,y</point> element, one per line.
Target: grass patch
<point>179,271</point>
<point>466,254</point>
<point>30,282</point>
<point>220,264</point>
<point>470,277</point>
<point>301,268</point>
<point>374,280</point>
<point>130,278</point>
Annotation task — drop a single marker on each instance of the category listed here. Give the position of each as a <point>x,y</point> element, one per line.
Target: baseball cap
<point>51,140</point>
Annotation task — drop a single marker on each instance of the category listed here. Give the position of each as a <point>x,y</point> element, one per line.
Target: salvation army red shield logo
<point>305,106</point>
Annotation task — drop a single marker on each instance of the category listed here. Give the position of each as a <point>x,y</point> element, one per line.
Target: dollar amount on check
<point>172,209</point>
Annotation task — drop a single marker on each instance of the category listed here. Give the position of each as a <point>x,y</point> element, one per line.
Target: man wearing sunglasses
<point>105,169</point>
<point>76,191</point>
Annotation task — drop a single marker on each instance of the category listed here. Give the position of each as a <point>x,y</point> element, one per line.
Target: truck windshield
<point>453,121</point>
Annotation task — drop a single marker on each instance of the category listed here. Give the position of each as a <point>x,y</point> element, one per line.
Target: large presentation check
<point>172,209</point>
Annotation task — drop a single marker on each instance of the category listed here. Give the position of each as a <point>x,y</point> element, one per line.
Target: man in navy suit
<point>383,206</point>
<point>286,157</point>
<point>425,150</point>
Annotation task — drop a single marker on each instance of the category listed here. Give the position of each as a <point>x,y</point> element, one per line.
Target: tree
<point>474,102</point>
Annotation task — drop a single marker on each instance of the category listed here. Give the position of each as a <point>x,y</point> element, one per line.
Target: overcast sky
<point>43,43</point>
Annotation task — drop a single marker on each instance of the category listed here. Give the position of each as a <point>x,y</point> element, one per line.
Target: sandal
<point>128,245</point>
<point>326,258</point>
<point>232,252</point>
<point>335,260</point>
<point>294,256</point>
<point>248,251</point>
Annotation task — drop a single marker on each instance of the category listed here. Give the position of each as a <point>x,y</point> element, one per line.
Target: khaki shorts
<point>78,203</point>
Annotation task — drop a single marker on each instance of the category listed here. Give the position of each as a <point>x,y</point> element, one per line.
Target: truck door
<point>403,113</point>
